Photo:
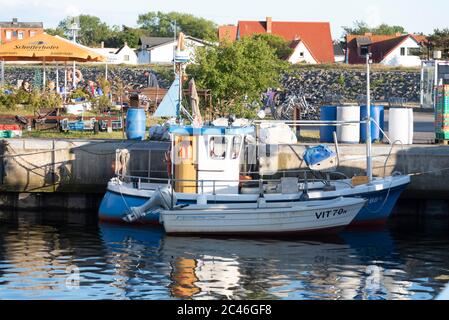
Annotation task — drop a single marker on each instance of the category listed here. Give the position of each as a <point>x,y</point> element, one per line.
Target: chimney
<point>269,24</point>
<point>14,21</point>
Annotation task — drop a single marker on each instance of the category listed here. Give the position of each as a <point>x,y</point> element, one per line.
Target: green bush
<point>100,103</point>
<point>7,101</point>
<point>79,93</point>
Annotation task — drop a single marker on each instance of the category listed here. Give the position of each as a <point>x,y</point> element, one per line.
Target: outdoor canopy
<point>44,47</point>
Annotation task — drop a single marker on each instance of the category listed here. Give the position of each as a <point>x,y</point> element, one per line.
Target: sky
<point>411,14</point>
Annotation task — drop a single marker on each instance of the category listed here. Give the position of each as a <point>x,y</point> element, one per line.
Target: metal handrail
<point>391,148</point>
<point>311,123</point>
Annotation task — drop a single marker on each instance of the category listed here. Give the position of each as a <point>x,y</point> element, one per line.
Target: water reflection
<point>39,251</point>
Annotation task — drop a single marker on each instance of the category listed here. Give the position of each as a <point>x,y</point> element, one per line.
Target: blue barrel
<point>328,113</point>
<point>377,113</point>
<point>136,121</point>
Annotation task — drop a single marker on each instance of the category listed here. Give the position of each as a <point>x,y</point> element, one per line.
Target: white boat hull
<point>280,218</point>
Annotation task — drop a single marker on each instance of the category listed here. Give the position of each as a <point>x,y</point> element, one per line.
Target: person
<point>26,86</point>
<point>152,80</point>
<point>51,86</point>
<point>90,88</point>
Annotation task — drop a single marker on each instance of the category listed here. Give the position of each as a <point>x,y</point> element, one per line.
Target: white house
<point>301,53</point>
<point>390,50</point>
<point>161,50</point>
<point>123,55</point>
<point>401,55</point>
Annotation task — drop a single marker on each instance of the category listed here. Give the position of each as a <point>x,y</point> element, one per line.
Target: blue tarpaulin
<point>314,155</point>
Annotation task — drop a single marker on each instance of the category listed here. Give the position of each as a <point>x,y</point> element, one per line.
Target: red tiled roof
<point>316,35</point>
<point>381,46</point>
<point>227,33</point>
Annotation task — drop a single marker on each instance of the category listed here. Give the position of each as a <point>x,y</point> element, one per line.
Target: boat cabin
<point>207,160</point>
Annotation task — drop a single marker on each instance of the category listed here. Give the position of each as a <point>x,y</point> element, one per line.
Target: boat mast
<point>369,160</point>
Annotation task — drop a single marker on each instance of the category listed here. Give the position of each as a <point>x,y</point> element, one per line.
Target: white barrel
<point>400,125</point>
<point>348,133</point>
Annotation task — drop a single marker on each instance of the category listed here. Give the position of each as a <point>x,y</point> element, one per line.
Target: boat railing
<point>321,123</point>
<point>217,185</point>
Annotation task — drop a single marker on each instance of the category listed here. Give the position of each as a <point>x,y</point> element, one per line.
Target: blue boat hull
<point>380,206</point>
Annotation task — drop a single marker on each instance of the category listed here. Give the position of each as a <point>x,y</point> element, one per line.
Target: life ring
<point>78,76</point>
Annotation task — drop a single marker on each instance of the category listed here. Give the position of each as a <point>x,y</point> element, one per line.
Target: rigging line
<point>428,172</point>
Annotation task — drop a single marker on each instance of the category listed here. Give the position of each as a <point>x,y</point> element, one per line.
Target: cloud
<point>373,16</point>
<point>72,10</point>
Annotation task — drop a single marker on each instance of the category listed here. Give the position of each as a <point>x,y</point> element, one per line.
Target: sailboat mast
<point>369,160</point>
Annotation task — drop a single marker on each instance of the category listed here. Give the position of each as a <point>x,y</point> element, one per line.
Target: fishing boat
<point>204,168</point>
<point>311,217</point>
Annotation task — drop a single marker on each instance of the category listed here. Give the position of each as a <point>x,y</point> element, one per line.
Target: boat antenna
<point>369,159</point>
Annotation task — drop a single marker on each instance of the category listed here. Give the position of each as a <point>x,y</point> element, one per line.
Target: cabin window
<point>8,35</point>
<point>126,58</point>
<point>20,35</point>
<point>217,148</point>
<point>403,51</point>
<point>301,54</point>
<point>236,146</point>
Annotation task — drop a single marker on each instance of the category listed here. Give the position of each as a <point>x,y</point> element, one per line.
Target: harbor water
<point>73,256</point>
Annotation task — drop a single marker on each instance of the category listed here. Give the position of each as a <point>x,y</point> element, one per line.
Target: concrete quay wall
<point>74,173</point>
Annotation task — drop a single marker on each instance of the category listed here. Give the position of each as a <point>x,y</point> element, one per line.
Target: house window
<point>403,51</point>
<point>32,33</point>
<point>126,58</point>
<point>8,35</point>
<point>14,34</point>
<point>20,35</point>
<point>301,54</point>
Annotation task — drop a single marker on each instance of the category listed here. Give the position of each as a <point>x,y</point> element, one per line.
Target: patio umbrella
<point>47,48</point>
<point>194,101</point>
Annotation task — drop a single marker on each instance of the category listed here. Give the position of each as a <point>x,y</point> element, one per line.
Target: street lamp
<point>74,27</point>
<point>365,50</point>
<point>174,26</point>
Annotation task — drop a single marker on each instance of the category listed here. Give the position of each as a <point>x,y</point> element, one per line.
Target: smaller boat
<point>310,217</point>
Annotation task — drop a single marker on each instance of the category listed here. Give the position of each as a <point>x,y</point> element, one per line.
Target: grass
<point>53,134</point>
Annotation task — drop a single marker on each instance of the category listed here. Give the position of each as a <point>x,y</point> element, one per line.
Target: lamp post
<point>74,27</point>
<point>369,160</point>
<point>2,75</point>
<point>174,25</point>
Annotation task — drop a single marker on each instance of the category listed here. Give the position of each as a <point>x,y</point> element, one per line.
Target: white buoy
<point>400,125</point>
<point>348,133</point>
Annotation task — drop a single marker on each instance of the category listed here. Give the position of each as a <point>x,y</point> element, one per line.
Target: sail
<point>170,105</point>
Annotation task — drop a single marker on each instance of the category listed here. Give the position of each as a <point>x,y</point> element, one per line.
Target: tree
<point>92,30</point>
<point>281,47</point>
<point>237,73</point>
<point>361,27</point>
<point>160,24</point>
<point>56,32</point>
<point>118,37</point>
<point>439,40</point>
